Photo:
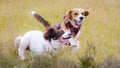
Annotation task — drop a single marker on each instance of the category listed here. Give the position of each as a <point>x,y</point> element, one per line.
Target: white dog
<point>42,43</point>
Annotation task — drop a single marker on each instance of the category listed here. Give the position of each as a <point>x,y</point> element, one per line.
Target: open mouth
<point>78,23</point>
<point>64,40</point>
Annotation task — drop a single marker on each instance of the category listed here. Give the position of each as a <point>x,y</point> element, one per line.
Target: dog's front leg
<point>75,49</point>
<point>21,53</point>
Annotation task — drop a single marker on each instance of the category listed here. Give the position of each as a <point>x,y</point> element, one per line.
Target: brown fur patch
<point>86,13</point>
<point>53,33</point>
<point>73,14</point>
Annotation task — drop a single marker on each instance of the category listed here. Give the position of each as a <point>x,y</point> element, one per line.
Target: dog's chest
<point>74,31</point>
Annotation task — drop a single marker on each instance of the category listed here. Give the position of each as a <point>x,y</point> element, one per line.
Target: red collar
<point>73,30</point>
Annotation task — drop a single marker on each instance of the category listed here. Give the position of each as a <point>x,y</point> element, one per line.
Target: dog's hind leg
<point>22,48</point>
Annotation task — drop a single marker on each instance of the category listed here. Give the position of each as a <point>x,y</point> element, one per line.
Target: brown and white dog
<point>40,43</point>
<point>72,21</point>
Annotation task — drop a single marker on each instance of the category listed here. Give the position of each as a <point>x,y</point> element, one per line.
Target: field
<point>99,40</point>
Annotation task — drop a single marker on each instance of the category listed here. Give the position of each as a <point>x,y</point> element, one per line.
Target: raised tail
<point>40,19</point>
<point>17,41</point>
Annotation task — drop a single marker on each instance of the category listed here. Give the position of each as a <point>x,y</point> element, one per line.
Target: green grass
<point>101,29</point>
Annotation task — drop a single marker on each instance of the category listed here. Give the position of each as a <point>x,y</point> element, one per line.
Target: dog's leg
<point>21,53</point>
<point>75,49</point>
<point>23,45</point>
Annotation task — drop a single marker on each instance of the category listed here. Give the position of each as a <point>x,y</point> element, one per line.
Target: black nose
<point>81,18</point>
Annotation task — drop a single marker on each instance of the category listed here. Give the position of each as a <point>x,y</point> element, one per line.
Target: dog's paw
<point>22,58</point>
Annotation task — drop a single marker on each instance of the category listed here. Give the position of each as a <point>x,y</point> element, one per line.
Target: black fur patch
<point>53,33</point>
<point>73,30</point>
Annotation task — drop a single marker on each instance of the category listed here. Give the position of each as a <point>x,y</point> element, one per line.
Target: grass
<point>101,29</point>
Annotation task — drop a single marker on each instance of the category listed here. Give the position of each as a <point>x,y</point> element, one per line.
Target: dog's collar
<point>58,26</point>
<point>73,30</point>
<point>68,25</point>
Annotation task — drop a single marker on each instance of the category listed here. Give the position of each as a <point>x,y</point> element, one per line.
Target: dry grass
<point>101,28</point>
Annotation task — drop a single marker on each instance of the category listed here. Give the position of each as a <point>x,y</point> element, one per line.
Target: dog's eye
<point>82,13</point>
<point>75,13</point>
<point>62,32</point>
<point>54,38</point>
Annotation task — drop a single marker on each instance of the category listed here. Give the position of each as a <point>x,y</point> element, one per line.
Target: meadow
<point>99,40</point>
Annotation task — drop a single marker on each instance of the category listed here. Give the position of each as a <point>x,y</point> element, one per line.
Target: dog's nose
<point>81,18</point>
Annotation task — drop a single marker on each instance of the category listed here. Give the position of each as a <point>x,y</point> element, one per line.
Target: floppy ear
<point>50,34</point>
<point>67,16</point>
<point>47,33</point>
<point>86,13</point>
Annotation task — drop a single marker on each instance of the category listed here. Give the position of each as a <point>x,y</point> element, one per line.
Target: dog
<point>72,21</point>
<point>43,43</point>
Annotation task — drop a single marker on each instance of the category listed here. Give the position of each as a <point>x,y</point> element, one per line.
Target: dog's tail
<point>17,41</point>
<point>41,19</point>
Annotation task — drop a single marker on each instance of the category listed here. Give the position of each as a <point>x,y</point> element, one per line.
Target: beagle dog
<point>72,21</point>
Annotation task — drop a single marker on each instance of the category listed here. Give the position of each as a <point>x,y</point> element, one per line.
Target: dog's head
<point>58,34</point>
<point>53,33</point>
<point>75,16</point>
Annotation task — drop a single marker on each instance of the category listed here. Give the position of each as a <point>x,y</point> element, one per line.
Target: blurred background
<point>99,40</point>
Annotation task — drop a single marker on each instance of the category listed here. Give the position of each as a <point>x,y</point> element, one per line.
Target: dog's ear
<point>67,16</point>
<point>50,34</point>
<point>86,13</point>
<point>51,31</point>
<point>47,33</point>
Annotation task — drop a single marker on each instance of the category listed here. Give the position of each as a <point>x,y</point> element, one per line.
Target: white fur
<point>33,12</point>
<point>17,41</point>
<point>37,44</point>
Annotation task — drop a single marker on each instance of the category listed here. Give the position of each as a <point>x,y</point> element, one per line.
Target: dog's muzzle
<point>79,22</point>
<point>64,40</point>
<point>81,18</point>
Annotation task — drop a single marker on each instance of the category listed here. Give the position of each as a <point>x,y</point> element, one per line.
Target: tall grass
<point>101,27</point>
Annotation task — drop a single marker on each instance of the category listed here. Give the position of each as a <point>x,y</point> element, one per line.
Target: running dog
<point>72,21</point>
<point>43,43</point>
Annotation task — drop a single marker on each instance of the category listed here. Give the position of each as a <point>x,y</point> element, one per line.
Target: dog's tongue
<point>79,23</point>
<point>65,41</point>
